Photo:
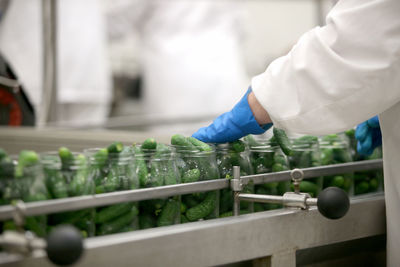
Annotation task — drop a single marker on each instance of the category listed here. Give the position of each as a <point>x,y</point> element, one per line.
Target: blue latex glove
<point>369,136</point>
<point>232,125</point>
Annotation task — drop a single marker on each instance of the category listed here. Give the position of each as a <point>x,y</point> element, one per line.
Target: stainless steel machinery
<point>291,236</point>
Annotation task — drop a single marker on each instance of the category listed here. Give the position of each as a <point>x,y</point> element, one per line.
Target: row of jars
<point>102,171</point>
<point>310,151</point>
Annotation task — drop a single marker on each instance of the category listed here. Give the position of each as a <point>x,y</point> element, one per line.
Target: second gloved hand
<point>369,136</point>
<point>232,125</point>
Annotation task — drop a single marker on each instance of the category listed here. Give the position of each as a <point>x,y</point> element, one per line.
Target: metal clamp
<point>236,183</point>
<point>9,82</point>
<point>297,176</point>
<point>237,186</point>
<point>64,244</point>
<point>21,242</point>
<point>296,200</point>
<point>19,214</point>
<point>332,202</point>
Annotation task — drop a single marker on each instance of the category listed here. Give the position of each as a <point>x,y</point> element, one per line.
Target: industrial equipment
<point>15,108</point>
<point>268,238</point>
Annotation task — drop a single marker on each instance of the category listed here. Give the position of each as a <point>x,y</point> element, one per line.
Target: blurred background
<point>163,66</point>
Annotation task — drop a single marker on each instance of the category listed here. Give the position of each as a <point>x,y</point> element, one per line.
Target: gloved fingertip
<point>201,135</point>
<point>373,122</point>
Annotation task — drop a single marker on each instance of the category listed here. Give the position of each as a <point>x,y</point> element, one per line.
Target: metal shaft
<point>49,92</point>
<point>311,201</point>
<point>236,200</point>
<point>261,198</point>
<point>76,203</point>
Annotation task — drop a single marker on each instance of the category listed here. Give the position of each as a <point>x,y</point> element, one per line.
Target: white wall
<point>273,27</point>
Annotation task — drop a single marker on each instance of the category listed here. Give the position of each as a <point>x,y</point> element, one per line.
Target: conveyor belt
<point>278,233</point>
<point>13,140</point>
<point>271,238</point>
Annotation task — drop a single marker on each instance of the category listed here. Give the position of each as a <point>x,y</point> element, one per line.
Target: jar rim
<point>229,147</point>
<point>336,144</point>
<point>150,153</point>
<point>90,153</point>
<point>53,157</point>
<point>191,152</point>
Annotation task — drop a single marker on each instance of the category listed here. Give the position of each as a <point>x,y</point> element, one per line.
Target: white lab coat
<point>339,75</point>
<point>84,78</point>
<point>192,62</point>
<point>190,54</point>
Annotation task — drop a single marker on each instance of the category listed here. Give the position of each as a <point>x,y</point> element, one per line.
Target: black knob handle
<point>64,245</point>
<point>333,203</point>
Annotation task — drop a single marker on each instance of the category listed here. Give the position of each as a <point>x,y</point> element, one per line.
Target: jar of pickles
<point>334,150</point>
<point>24,180</point>
<point>66,175</point>
<point>365,181</point>
<point>156,166</point>
<point>369,181</point>
<point>305,153</point>
<point>197,162</point>
<point>112,169</point>
<point>350,138</point>
<point>229,155</point>
<point>266,157</point>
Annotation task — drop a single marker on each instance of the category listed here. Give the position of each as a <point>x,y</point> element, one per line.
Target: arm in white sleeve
<point>338,75</point>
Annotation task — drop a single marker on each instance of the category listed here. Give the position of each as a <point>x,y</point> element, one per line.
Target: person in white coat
<point>84,79</point>
<point>334,78</point>
<point>190,53</point>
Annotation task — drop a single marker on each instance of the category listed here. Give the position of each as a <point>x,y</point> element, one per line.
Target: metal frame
<point>47,114</point>
<point>50,59</point>
<point>76,203</point>
<point>273,236</point>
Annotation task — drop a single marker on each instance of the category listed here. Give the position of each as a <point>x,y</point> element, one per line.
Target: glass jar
<point>369,181</point>
<point>114,172</point>
<point>196,165</point>
<point>229,155</point>
<point>305,154</point>
<point>267,157</point>
<point>350,138</point>
<point>333,150</point>
<point>26,184</point>
<point>69,179</point>
<point>158,167</point>
<point>365,181</point>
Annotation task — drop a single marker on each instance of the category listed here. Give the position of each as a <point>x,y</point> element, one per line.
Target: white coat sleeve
<point>338,75</point>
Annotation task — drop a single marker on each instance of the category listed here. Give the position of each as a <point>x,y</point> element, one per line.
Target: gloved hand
<point>369,136</point>
<point>232,125</point>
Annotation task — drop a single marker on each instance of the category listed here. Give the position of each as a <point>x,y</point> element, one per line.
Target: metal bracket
<point>297,176</point>
<point>237,186</point>
<point>296,200</point>
<point>19,215</point>
<point>9,82</point>
<point>90,201</point>
<point>236,183</point>
<point>22,243</point>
